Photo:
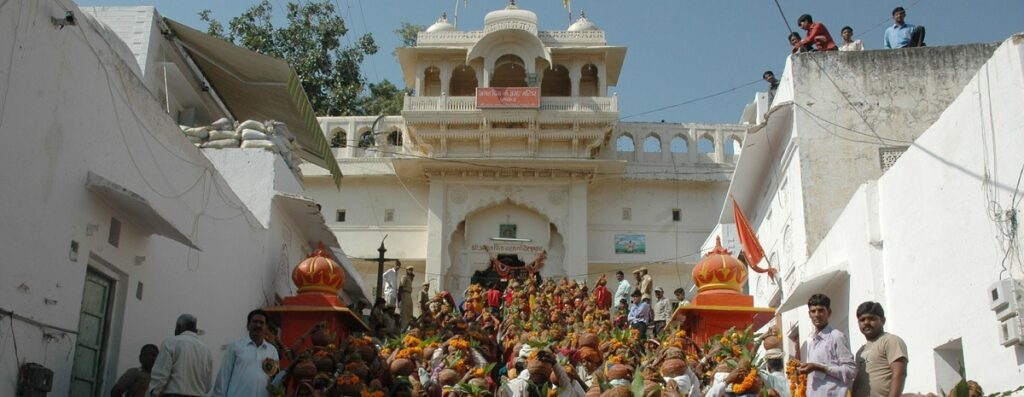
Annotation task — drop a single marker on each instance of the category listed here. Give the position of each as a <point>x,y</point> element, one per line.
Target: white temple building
<point>550,169</point>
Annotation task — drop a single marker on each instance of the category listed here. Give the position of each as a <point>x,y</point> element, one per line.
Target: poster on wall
<point>506,230</point>
<point>630,244</point>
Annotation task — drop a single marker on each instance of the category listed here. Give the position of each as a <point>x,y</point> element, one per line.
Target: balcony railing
<point>468,104</point>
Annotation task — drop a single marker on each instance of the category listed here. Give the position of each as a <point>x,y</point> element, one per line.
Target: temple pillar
<point>574,237</point>
<point>420,77</point>
<point>437,247</point>
<point>575,74</point>
<point>446,77</point>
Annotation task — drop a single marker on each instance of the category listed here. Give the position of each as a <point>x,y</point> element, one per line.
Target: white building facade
<point>114,223</point>
<point>889,176</point>
<point>452,178</point>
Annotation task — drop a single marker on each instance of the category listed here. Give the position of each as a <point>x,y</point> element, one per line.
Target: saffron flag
<point>751,247</point>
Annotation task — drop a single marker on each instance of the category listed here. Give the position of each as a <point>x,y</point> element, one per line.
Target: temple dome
<point>719,270</point>
<point>318,273</point>
<point>583,24</point>
<point>512,17</point>
<point>441,25</point>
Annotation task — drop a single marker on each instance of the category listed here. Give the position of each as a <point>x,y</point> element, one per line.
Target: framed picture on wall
<point>630,244</point>
<point>507,230</point>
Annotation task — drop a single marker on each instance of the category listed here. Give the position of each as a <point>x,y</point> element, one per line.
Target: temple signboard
<point>507,97</point>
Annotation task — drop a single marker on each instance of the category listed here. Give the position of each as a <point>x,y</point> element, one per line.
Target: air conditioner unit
<point>1011,332</point>
<point>1006,298</point>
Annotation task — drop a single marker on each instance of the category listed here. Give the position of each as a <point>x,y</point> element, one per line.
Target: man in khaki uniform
<point>882,361</point>
<point>405,298</point>
<point>646,284</point>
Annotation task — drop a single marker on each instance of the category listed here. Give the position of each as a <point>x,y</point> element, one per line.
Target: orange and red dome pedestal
<point>318,278</point>
<point>720,303</point>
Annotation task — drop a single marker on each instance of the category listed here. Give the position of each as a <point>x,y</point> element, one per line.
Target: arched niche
<point>509,71</point>
<point>432,81</point>
<point>679,144</point>
<point>589,84</point>
<point>652,144</point>
<point>556,82</point>
<point>624,144</point>
<point>464,82</point>
<point>339,138</point>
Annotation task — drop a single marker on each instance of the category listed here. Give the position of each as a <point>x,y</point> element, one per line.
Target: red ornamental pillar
<point>318,278</point>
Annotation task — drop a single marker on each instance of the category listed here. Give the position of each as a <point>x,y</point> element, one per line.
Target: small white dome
<point>441,25</point>
<point>510,17</point>
<point>582,24</point>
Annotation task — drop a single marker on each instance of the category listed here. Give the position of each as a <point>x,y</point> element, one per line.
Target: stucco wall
<point>73,106</point>
<point>923,240</point>
<point>843,99</point>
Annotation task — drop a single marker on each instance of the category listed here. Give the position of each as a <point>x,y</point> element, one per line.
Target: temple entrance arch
<point>512,233</point>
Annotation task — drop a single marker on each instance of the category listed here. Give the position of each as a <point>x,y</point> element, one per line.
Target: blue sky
<point>678,50</point>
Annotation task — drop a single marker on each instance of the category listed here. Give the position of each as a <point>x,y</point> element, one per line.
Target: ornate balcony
<point>468,104</point>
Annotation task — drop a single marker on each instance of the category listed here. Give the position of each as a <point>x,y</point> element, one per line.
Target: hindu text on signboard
<point>508,97</point>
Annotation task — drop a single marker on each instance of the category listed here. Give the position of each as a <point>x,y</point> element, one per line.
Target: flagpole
<point>456,24</point>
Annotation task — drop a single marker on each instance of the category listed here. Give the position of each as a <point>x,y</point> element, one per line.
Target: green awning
<point>258,87</point>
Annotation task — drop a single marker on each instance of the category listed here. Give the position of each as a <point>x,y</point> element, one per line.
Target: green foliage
<point>311,42</point>
<point>407,32</point>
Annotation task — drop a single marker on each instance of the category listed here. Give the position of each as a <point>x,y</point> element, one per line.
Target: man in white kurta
<point>390,288</point>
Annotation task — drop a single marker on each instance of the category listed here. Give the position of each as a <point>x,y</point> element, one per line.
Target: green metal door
<point>87,371</point>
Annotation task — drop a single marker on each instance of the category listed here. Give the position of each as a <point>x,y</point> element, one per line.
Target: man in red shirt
<point>493,297</point>
<point>817,34</point>
<point>601,293</point>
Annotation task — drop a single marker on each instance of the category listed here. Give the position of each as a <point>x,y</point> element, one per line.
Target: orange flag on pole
<point>751,247</point>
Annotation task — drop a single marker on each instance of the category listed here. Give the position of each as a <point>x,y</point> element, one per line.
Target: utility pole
<point>380,271</point>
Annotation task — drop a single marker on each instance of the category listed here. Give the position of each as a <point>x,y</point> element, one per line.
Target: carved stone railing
<point>468,104</point>
<point>564,37</point>
<point>549,38</point>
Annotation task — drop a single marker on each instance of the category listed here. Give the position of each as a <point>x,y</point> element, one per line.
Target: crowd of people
<point>556,338</point>
<point>817,38</point>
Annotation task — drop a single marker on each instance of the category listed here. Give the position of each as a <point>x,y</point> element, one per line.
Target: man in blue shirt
<point>249,363</point>
<point>640,314</point>
<point>902,34</point>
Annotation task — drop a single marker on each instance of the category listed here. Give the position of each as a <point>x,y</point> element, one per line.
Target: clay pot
<point>366,352</point>
<point>402,367</point>
<point>651,389</point>
<point>428,353</point>
<point>673,367</point>
<point>350,390</point>
<point>772,342</point>
<point>448,377</point>
<point>478,382</point>
<point>321,338</point>
<point>589,340</point>
<point>361,370</point>
<point>620,371</point>
<point>618,391</point>
<point>324,363</point>
<point>304,370</point>
<point>590,354</point>
<point>674,352</point>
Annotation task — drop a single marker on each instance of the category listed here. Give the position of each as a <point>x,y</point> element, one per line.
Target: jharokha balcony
<point>469,104</point>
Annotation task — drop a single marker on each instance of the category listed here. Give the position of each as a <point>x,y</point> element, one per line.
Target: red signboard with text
<point>508,97</point>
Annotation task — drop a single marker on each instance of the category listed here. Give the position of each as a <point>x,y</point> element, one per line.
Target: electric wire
<point>694,100</point>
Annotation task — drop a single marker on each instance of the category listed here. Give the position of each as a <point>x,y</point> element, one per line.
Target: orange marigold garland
<point>747,383</point>
<point>797,381</point>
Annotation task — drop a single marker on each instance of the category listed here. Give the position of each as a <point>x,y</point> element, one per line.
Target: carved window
<point>338,138</point>
<point>625,144</point>
<point>679,145</point>
<point>706,144</point>
<point>652,144</point>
